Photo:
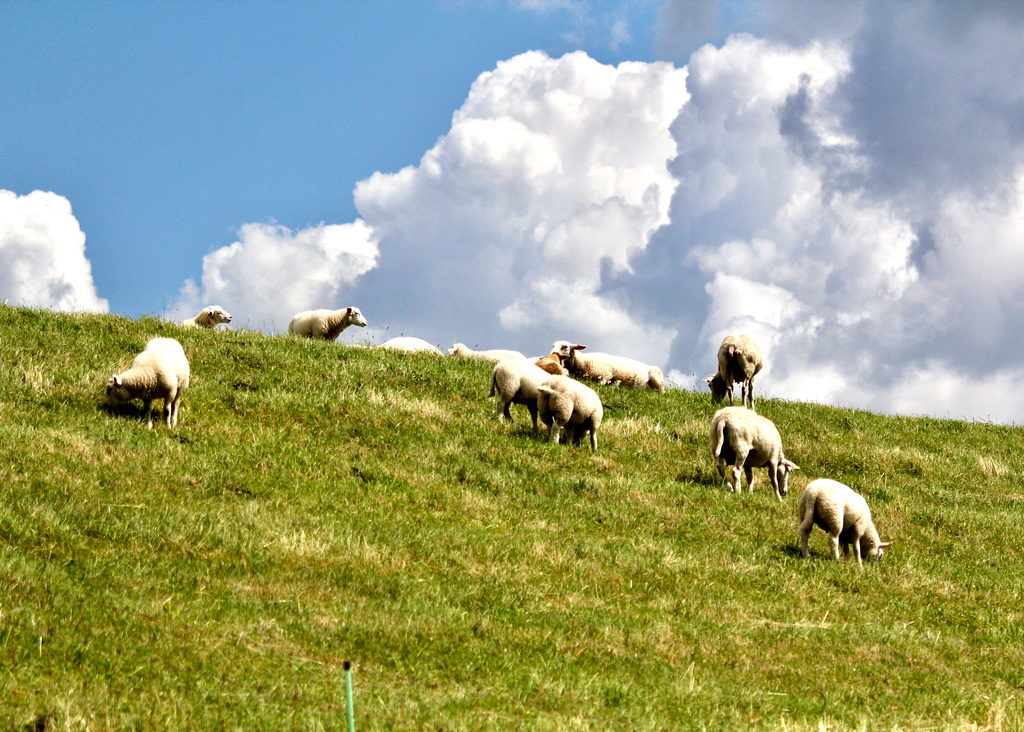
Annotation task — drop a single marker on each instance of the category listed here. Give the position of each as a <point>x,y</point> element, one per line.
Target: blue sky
<point>170,124</point>
<point>844,181</point>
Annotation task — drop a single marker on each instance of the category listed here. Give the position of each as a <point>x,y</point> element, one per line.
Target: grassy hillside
<point>320,503</point>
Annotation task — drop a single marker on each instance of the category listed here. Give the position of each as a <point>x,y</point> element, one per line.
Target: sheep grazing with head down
<point>208,317</point>
<point>494,354</point>
<point>565,404</point>
<point>326,324</point>
<point>739,359</point>
<point>515,381</point>
<point>607,369</point>
<point>160,372</point>
<point>743,439</point>
<point>844,515</point>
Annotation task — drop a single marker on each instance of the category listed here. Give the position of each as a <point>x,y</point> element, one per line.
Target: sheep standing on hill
<point>844,515</point>
<point>326,324</point>
<point>160,372</point>
<point>410,344</point>
<point>208,317</point>
<point>741,438</point>
<point>565,404</point>
<point>739,359</point>
<point>515,381</point>
<point>495,354</point>
<point>607,369</point>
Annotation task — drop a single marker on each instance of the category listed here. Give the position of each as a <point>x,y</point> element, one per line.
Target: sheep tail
<point>493,386</point>
<point>719,438</point>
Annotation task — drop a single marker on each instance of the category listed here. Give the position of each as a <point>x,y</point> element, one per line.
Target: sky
<point>842,180</point>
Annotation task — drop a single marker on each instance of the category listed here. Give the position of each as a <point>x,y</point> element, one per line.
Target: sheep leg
<point>147,410</point>
<point>833,542</point>
<point>773,476</point>
<point>172,410</point>
<point>593,439</point>
<point>502,410</point>
<point>806,525</point>
<point>750,478</point>
<point>555,433</point>
<point>532,406</point>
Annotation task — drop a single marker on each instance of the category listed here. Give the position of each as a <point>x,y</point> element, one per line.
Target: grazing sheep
<point>739,359</point>
<point>552,363</point>
<point>515,381</point>
<point>160,371</point>
<point>326,324</point>
<point>844,515</point>
<point>496,354</point>
<point>607,369</point>
<point>208,318</point>
<point>408,343</point>
<point>741,438</point>
<point>567,404</point>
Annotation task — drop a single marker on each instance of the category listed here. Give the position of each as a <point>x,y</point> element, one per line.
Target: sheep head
<point>718,387</point>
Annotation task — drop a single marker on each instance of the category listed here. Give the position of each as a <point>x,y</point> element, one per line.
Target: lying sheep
<point>515,381</point>
<point>607,369</point>
<point>739,359</point>
<point>739,437</point>
<point>408,343</point>
<point>552,363</point>
<point>843,515</point>
<point>495,354</point>
<point>565,404</point>
<point>326,324</point>
<point>159,372</point>
<point>208,318</point>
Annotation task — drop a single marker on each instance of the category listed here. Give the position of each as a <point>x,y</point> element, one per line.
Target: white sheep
<point>565,404</point>
<point>326,324</point>
<point>159,372</point>
<point>741,438</point>
<point>515,381</point>
<point>208,318</point>
<point>739,359</point>
<point>495,354</point>
<point>410,344</point>
<point>844,515</point>
<point>607,369</point>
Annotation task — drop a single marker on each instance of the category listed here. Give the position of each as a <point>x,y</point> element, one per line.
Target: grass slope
<point>320,503</point>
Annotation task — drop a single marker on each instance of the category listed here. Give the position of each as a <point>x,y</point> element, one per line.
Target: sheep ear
<point>578,347</point>
<point>790,464</point>
<point>117,379</point>
<point>709,379</point>
<point>884,544</point>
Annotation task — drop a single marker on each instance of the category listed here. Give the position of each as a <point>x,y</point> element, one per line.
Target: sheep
<point>326,324</point>
<point>844,515</point>
<point>607,369</point>
<point>739,359</point>
<point>552,363</point>
<point>208,318</point>
<point>408,343</point>
<point>515,381</point>
<point>160,371</point>
<point>741,438</point>
<point>496,354</point>
<point>567,404</point>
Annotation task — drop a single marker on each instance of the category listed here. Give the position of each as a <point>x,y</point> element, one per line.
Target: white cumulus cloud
<point>271,273</point>
<point>42,254</point>
<point>554,172</point>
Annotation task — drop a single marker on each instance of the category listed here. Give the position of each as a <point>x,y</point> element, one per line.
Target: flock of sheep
<point>740,438</point>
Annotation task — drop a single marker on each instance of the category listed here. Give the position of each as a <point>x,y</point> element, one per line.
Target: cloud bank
<point>42,255</point>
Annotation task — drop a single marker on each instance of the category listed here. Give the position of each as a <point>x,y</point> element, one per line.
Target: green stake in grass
<point>348,695</point>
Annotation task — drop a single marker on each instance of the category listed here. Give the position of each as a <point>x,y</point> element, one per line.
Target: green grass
<point>320,503</point>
